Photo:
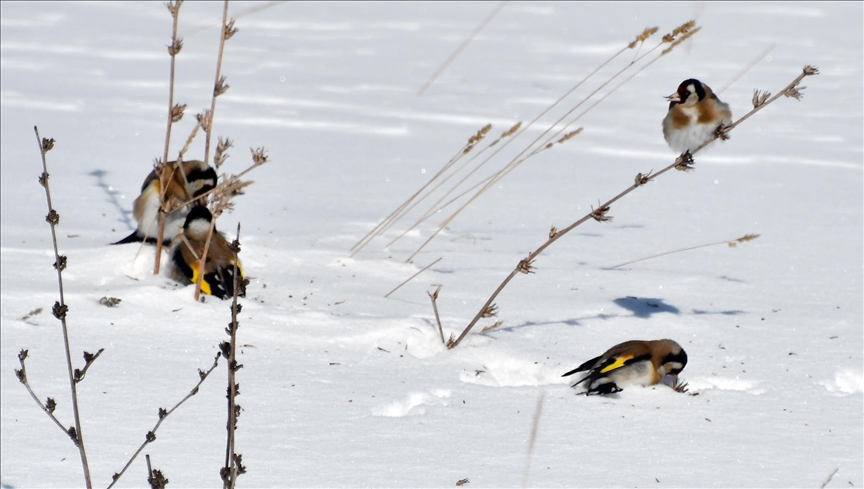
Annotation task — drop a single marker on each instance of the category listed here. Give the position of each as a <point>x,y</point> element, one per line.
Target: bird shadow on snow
<point>640,307</point>
<point>125,215</point>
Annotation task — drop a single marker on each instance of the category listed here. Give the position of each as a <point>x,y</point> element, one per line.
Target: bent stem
<point>683,163</point>
<point>163,415</point>
<point>60,308</point>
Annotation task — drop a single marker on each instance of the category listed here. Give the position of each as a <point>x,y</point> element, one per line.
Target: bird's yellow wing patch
<point>205,287</point>
<point>618,363</point>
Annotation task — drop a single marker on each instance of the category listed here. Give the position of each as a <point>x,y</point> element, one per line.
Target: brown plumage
<point>694,114</point>
<point>632,362</point>
<point>188,247</point>
<point>200,178</point>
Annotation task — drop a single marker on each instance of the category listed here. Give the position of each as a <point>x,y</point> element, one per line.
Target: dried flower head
<point>759,98</point>
<point>492,327</point>
<point>221,147</point>
<point>220,87</point>
<point>175,47</point>
<point>677,42</point>
<point>490,311</point>
<point>569,135</point>
<point>511,131</point>
<point>684,162</point>
<point>794,92</point>
<point>810,70</point>
<point>230,30</point>
<point>643,36</point>
<point>177,112</point>
<point>599,214</point>
<point>259,156</point>
<point>526,266</point>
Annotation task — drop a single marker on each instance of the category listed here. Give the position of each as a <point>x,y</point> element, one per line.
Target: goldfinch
<point>694,114</point>
<point>632,362</point>
<point>200,178</point>
<point>188,246</point>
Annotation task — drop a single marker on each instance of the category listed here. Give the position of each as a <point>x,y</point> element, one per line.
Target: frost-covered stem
<point>163,414</point>
<point>60,307</point>
<point>599,214</point>
<point>174,8</point>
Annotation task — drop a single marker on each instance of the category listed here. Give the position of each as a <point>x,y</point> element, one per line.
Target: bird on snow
<point>632,362</point>
<point>188,246</point>
<point>199,178</point>
<point>694,115</point>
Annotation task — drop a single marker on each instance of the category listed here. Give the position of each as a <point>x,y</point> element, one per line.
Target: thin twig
<point>232,466</point>
<point>163,415</point>
<point>434,297</point>
<point>683,162</point>
<point>22,377</point>
<point>461,47</point>
<point>412,277</point>
<point>824,484</point>
<point>174,114</point>
<point>731,244</point>
<point>60,308</point>
<point>747,68</point>
<point>218,85</point>
<point>533,438</point>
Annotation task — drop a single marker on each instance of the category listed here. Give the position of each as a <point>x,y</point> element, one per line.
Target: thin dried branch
<point>412,277</point>
<point>49,405</point>
<point>434,297</point>
<point>89,358</point>
<point>60,308</point>
<point>175,113</point>
<point>219,85</point>
<point>163,415</point>
<point>600,213</point>
<point>731,244</point>
<point>462,46</point>
<point>232,466</point>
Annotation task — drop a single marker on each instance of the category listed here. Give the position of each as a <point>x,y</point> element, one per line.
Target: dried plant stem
<point>747,68</point>
<point>217,83</point>
<point>520,158</point>
<point>383,225</point>
<point>22,377</point>
<point>60,308</point>
<point>163,415</point>
<point>510,136</point>
<point>434,297</point>
<point>731,244</point>
<point>683,162</point>
<point>462,46</point>
<point>830,476</point>
<point>173,49</point>
<point>203,259</point>
<point>412,277</point>
<point>538,411</point>
<point>232,462</point>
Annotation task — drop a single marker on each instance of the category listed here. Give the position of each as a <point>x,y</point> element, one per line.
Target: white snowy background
<point>341,387</point>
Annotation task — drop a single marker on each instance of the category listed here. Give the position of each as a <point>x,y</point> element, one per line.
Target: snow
<point>342,387</point>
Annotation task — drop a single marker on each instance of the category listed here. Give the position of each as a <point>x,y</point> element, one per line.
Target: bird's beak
<point>674,378</point>
<point>673,98</point>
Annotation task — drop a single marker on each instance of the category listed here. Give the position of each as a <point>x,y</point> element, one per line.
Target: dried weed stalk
<point>163,415</point>
<point>233,461</point>
<point>175,114</point>
<point>220,201</point>
<point>684,162</point>
<point>731,244</point>
<point>60,311</point>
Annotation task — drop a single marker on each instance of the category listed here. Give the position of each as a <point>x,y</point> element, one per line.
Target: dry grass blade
<point>459,49</point>
<point>731,244</point>
<point>412,277</point>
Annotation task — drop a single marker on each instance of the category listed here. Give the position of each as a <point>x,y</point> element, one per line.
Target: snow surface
<point>341,387</point>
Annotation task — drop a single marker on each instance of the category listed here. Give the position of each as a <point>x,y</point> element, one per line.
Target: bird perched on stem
<point>188,247</point>
<point>695,114</point>
<point>632,362</point>
<point>195,178</point>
